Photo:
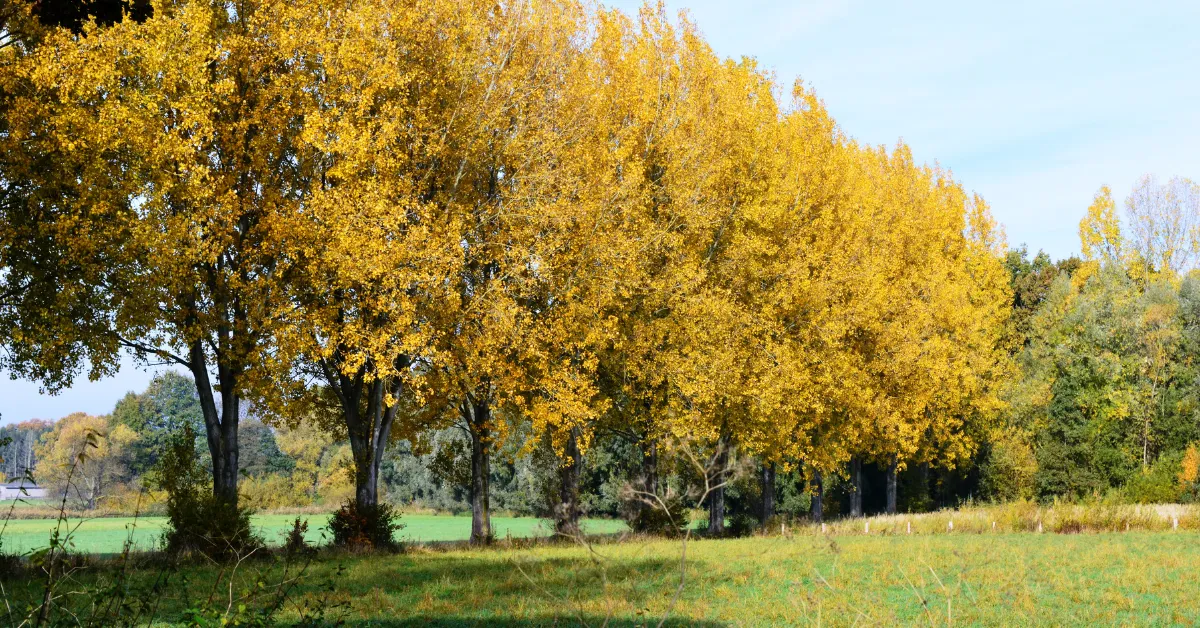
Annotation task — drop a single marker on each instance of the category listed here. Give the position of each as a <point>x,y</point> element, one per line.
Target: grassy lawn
<point>107,535</point>
<point>1002,578</point>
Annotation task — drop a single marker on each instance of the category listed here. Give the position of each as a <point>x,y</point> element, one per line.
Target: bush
<point>653,518</point>
<point>272,492</point>
<point>1158,485</point>
<point>197,521</point>
<point>371,527</point>
<point>1189,475</point>
<point>1008,471</point>
<point>295,543</point>
<point>741,524</point>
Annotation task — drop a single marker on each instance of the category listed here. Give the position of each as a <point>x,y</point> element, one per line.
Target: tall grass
<point>1018,516</point>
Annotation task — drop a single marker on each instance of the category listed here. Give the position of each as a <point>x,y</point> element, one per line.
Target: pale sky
<point>1033,105</point>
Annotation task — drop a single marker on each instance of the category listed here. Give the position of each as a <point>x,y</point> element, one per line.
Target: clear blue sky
<point>1032,104</point>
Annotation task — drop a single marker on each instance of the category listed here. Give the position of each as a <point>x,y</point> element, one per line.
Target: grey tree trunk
<point>478,419</point>
<point>368,422</point>
<point>370,444</point>
<point>650,467</point>
<point>220,426</point>
<point>716,511</point>
<point>716,496</point>
<point>768,492</point>
<point>566,515</point>
<point>818,498</point>
<point>891,487</point>
<point>856,509</point>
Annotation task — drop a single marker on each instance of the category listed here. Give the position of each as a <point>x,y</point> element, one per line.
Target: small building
<point>21,489</point>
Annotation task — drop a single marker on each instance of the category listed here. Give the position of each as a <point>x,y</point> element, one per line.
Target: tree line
<point>538,223</point>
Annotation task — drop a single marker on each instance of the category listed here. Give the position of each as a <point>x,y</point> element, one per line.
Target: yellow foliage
<point>1100,229</point>
<point>534,212</point>
<point>85,457</point>
<point>273,491</point>
<point>1189,473</point>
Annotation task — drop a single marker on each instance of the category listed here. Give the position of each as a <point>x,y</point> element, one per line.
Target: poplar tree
<point>174,152</point>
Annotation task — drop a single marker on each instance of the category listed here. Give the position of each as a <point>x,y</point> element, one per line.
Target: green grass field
<point>994,579</point>
<point>107,535</point>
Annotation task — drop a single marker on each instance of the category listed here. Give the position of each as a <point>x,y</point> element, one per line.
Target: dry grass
<point>1024,516</point>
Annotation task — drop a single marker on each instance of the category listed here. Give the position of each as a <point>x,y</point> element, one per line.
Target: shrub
<point>197,521</point>
<point>272,492</point>
<point>741,524</point>
<point>668,518</point>
<point>1007,473</point>
<point>11,565</point>
<point>295,543</point>
<point>1157,485</point>
<point>1189,474</point>
<point>370,527</point>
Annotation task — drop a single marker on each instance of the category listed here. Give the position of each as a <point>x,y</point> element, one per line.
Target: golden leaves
<point>570,213</point>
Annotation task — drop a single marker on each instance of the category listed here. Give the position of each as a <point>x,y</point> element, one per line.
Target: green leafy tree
<point>167,404</point>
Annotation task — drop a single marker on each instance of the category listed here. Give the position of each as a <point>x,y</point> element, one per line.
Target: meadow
<point>107,535</point>
<point>800,579</point>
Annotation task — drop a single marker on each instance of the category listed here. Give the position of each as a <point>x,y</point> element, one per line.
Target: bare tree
<point>1164,224</point>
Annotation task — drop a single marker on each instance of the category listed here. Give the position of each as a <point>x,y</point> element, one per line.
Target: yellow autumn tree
<point>180,141</point>
<point>82,459</point>
<point>1100,229</point>
<point>935,309</point>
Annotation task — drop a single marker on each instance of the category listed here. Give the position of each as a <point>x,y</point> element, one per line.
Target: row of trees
<point>1105,402</point>
<point>284,467</point>
<point>534,220</point>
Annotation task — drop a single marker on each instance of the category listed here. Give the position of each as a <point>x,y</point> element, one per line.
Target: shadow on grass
<point>547,620</point>
<point>491,584</point>
<point>497,588</point>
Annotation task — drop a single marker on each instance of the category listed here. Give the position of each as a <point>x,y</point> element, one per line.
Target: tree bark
<point>220,427</point>
<point>478,421</point>
<point>716,511</point>
<point>716,496</point>
<point>648,482</point>
<point>566,516</point>
<point>768,491</point>
<point>891,486</point>
<point>818,498</point>
<point>369,428</point>
<point>856,509</point>
<point>650,467</point>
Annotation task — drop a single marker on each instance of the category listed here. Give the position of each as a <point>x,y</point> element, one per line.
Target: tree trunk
<point>856,509</point>
<point>768,491</point>
<point>650,467</point>
<point>925,490</point>
<point>891,487</point>
<point>566,516</point>
<point>716,511</point>
<point>220,427</point>
<point>478,419</point>
<point>369,428</point>
<point>716,496</point>
<point>818,498</point>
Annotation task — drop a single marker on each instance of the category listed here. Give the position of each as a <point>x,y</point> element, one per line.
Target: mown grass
<point>106,535</point>
<point>1000,578</point>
